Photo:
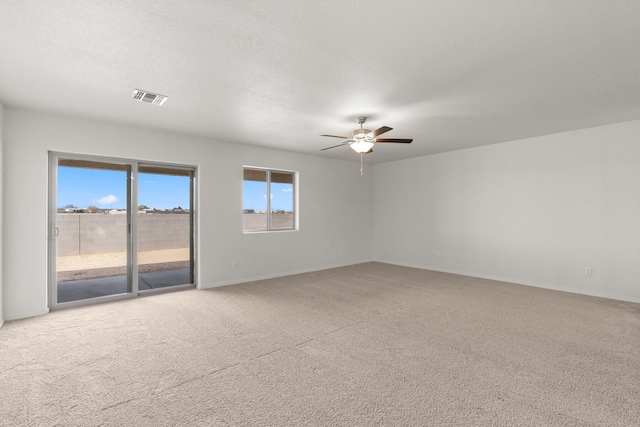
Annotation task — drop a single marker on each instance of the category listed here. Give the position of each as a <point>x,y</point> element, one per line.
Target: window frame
<point>131,166</point>
<point>269,213</point>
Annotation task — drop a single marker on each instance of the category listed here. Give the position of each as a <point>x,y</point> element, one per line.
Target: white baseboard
<point>25,314</point>
<point>518,282</point>
<point>275,275</point>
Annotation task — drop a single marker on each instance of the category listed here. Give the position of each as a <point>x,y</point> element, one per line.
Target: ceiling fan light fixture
<point>362,140</point>
<point>362,146</point>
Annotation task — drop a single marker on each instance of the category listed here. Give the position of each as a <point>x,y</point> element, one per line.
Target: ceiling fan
<point>362,140</point>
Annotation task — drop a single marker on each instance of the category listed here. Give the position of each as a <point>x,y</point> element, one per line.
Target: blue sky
<point>163,191</point>
<point>108,189</point>
<point>255,196</point>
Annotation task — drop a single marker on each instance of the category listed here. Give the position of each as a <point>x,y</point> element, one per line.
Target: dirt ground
<point>83,267</point>
<point>95,273</point>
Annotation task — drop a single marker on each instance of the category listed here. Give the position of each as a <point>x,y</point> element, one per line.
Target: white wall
<point>1,224</point>
<point>334,201</point>
<point>537,211</point>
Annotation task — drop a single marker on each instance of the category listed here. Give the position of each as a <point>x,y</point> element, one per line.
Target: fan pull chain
<point>361,156</point>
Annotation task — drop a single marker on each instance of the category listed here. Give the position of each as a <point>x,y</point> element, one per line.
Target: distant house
<point>177,210</point>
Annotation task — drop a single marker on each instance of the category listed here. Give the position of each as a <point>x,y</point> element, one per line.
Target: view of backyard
<point>258,221</point>
<point>94,245</point>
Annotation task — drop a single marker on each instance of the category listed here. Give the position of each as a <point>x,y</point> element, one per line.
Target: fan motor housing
<point>361,133</point>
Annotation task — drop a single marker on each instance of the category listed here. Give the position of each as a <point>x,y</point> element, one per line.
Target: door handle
<point>55,232</point>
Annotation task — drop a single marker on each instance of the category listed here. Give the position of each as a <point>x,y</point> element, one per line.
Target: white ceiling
<point>449,73</point>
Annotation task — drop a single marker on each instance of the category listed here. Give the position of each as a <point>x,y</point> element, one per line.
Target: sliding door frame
<point>132,229</point>
<point>192,228</point>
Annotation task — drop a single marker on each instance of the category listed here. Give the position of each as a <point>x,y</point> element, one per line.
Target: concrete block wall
<point>163,231</point>
<point>87,234</point>
<point>68,234</point>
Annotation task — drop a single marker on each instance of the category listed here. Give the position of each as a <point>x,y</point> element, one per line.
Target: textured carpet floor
<point>371,344</point>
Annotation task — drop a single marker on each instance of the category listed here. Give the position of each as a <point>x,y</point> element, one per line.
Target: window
<point>268,198</point>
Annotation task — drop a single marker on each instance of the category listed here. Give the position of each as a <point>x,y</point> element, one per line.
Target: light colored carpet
<point>370,344</point>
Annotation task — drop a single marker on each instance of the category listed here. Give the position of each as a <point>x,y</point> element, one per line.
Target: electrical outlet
<point>234,263</point>
<point>588,271</point>
<point>24,210</point>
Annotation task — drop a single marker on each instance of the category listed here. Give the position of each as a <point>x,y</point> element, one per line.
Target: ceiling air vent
<point>148,97</point>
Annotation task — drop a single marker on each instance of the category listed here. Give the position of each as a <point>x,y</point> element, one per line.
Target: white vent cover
<point>151,98</point>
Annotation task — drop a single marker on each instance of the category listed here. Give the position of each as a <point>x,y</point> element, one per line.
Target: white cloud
<point>272,195</point>
<point>107,200</point>
<point>287,190</point>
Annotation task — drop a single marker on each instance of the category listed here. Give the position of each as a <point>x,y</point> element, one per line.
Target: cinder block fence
<point>86,234</point>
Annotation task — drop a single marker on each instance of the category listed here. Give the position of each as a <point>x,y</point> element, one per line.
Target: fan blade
<point>397,140</point>
<point>336,136</point>
<point>370,151</point>
<point>379,131</point>
<point>339,145</point>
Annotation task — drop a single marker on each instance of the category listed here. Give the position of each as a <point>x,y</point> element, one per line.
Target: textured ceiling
<point>449,73</point>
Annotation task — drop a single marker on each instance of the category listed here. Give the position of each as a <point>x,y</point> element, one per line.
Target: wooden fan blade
<point>336,136</point>
<point>370,151</point>
<point>339,145</point>
<point>379,131</point>
<point>397,140</point>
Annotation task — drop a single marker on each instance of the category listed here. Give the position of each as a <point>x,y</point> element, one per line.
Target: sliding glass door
<point>91,230</point>
<point>105,245</point>
<point>165,227</point>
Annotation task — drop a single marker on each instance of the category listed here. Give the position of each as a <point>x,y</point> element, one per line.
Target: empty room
<point>397,213</point>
